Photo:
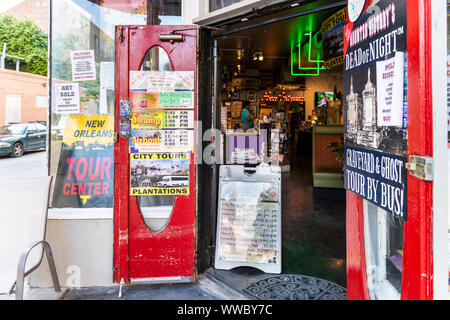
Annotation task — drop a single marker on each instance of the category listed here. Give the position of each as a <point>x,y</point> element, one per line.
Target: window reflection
<point>219,4</point>
<point>383,237</point>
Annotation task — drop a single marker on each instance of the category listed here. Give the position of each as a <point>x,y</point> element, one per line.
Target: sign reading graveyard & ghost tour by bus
<point>85,171</point>
<point>375,132</point>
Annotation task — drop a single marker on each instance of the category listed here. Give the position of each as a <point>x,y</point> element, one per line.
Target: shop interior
<point>278,72</point>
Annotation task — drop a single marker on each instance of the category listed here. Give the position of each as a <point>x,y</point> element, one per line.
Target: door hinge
<point>121,34</point>
<point>115,137</point>
<point>421,167</point>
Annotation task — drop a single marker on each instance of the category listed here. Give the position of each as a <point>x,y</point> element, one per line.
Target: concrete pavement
<point>31,164</point>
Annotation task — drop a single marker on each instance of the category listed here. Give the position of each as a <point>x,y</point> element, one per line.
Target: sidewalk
<point>206,288</point>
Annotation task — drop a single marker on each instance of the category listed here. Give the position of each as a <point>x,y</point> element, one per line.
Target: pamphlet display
<point>249,218</point>
<point>161,138</point>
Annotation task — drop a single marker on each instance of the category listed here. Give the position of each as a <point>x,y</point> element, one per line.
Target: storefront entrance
<point>257,188</point>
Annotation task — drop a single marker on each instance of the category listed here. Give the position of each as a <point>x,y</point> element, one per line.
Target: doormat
<point>295,287</point>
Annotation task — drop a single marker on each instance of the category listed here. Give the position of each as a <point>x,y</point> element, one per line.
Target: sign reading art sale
<point>375,106</point>
<point>85,171</point>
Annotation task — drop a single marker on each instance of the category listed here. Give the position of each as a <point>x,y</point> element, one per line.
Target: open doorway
<point>282,83</point>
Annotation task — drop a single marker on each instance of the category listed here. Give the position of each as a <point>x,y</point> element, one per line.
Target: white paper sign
<point>107,75</point>
<point>390,91</point>
<point>83,65</point>
<point>161,81</point>
<point>67,98</point>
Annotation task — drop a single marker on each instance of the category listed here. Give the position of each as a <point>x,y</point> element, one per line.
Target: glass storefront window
<point>383,240</point>
<point>81,167</point>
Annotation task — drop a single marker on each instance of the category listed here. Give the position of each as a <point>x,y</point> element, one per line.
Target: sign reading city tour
<point>375,105</point>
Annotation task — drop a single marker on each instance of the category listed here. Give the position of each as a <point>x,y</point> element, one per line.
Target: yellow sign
<point>156,173</point>
<point>96,132</point>
<point>147,120</point>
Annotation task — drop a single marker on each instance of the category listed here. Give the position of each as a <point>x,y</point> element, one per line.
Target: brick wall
<point>28,86</point>
<point>324,159</point>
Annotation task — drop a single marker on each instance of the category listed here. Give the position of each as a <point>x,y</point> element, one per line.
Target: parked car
<point>16,138</point>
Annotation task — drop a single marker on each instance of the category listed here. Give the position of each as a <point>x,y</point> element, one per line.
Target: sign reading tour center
<point>375,106</point>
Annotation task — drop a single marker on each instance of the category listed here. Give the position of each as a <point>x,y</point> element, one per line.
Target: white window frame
<point>379,286</point>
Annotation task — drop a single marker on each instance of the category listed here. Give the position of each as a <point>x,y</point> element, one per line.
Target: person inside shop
<point>246,116</point>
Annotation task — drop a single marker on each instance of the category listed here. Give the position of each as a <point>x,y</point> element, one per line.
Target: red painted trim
<point>356,262</point>
<point>121,179</point>
<point>418,254</point>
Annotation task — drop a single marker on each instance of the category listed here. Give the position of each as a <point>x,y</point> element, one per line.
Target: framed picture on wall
<point>234,95</point>
<point>252,95</point>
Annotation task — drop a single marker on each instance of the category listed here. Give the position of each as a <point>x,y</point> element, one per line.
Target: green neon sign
<point>318,61</point>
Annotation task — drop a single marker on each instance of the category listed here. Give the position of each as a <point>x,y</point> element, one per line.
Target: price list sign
<point>249,226</point>
<point>162,106</point>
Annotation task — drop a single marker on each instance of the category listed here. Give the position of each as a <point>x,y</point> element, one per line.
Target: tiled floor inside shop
<point>313,233</point>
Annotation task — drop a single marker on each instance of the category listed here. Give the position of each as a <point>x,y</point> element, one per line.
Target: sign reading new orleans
<point>375,106</point>
<point>85,171</point>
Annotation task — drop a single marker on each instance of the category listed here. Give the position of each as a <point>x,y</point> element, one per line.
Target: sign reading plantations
<point>162,132</point>
<point>375,106</point>
<point>85,170</point>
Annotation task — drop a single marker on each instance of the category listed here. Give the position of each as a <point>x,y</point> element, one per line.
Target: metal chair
<point>23,225</point>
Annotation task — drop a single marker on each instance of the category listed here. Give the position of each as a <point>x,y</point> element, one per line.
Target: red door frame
<point>417,281</point>
<point>175,245</point>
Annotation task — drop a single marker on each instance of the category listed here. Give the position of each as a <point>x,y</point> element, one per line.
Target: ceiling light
<point>258,56</point>
<point>244,19</point>
<point>295,4</point>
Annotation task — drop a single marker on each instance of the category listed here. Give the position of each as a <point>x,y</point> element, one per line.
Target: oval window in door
<point>155,210</point>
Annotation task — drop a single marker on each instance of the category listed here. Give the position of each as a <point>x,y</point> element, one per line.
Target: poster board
<point>249,218</point>
<point>160,115</point>
<point>375,107</point>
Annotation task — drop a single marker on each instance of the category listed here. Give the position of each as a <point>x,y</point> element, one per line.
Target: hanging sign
<point>83,65</point>
<point>67,98</point>
<point>375,107</point>
<point>85,171</point>
<point>159,174</point>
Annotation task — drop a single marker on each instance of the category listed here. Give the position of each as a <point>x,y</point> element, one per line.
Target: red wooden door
<point>417,273</point>
<point>141,253</point>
